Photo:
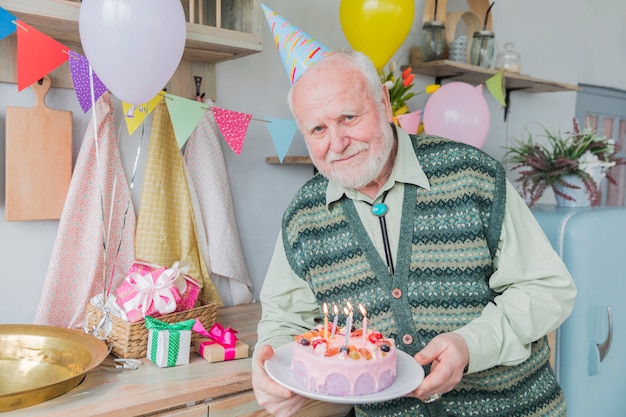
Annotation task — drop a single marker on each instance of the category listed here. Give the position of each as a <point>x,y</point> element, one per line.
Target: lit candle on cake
<point>325,321</point>
<point>335,320</point>
<point>348,314</point>
<point>362,309</point>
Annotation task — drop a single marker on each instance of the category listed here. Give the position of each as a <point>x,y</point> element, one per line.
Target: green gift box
<point>168,343</point>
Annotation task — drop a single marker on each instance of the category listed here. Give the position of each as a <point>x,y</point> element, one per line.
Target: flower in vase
<point>399,88</point>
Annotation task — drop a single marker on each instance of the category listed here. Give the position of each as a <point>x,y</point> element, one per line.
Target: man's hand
<point>448,356</point>
<point>276,399</point>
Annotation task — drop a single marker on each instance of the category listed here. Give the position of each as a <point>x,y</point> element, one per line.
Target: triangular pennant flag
<point>410,122</point>
<point>233,126</point>
<point>152,104</point>
<point>185,115</point>
<point>135,115</point>
<point>79,70</point>
<point>282,131</point>
<point>495,85</point>
<point>37,55</point>
<point>7,26</point>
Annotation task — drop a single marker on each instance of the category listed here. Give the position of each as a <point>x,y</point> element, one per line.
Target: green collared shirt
<point>539,292</point>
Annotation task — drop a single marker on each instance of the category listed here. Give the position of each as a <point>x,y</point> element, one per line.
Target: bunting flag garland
<point>37,55</point>
<point>282,132</point>
<point>233,126</point>
<point>79,70</point>
<point>7,26</point>
<point>185,115</point>
<point>495,85</point>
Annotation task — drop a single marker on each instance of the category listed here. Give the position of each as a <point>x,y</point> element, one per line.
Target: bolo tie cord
<point>379,210</point>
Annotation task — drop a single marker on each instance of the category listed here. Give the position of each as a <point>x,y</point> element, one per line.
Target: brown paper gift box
<point>212,351</point>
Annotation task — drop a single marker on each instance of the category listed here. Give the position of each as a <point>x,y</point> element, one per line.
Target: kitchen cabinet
<point>235,34</point>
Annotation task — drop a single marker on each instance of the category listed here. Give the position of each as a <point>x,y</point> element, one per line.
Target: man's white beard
<point>361,174</point>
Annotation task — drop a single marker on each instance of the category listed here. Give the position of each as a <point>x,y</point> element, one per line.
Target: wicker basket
<point>130,340</point>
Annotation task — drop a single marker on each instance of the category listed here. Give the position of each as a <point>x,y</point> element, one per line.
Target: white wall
<point>571,41</point>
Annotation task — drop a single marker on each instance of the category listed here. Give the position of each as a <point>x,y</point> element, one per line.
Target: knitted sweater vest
<point>448,238</point>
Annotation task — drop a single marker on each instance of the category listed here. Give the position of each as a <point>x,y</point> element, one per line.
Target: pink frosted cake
<point>324,365</point>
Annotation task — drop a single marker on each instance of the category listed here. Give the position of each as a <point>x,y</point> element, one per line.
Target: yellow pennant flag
<point>495,85</point>
<point>135,115</point>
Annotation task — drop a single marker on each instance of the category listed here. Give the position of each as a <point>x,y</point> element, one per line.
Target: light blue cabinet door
<point>591,344</point>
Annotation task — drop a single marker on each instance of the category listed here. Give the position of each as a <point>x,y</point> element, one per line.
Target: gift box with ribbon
<point>169,343</point>
<point>219,344</point>
<point>152,290</point>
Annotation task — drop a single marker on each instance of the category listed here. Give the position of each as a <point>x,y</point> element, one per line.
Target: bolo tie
<point>379,210</point>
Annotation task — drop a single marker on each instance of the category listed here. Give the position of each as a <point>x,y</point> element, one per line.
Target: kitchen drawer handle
<point>605,347</point>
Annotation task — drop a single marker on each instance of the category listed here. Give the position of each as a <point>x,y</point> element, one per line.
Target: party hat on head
<point>298,50</point>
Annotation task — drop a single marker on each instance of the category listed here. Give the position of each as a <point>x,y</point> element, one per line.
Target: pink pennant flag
<point>410,122</point>
<point>233,126</point>
<point>37,55</point>
<point>79,70</point>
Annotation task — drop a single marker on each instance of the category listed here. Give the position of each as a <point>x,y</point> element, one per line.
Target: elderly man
<point>457,270</point>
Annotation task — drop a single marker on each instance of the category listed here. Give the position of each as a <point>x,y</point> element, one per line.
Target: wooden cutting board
<point>38,159</point>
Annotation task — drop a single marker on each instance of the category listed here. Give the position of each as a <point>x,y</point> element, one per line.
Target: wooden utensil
<point>38,158</point>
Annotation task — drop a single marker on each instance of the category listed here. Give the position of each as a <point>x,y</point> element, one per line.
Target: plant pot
<point>580,195</point>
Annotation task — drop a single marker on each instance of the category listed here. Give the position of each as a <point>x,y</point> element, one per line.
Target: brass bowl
<point>42,362</point>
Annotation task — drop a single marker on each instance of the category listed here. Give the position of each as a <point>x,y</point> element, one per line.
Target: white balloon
<point>134,46</point>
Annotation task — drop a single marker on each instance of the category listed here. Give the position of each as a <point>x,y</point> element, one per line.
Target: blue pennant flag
<point>282,132</point>
<point>7,26</point>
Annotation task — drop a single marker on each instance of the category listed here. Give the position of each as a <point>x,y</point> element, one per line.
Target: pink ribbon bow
<point>224,337</point>
<point>158,291</point>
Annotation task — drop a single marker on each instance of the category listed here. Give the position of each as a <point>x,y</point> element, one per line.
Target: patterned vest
<point>448,238</point>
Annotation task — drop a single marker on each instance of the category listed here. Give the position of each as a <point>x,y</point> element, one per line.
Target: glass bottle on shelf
<point>433,41</point>
<point>482,49</point>
<point>509,60</point>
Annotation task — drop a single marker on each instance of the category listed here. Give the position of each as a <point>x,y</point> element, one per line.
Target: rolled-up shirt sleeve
<point>289,306</point>
<point>535,292</point>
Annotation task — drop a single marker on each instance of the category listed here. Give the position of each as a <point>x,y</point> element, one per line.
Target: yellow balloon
<point>376,27</point>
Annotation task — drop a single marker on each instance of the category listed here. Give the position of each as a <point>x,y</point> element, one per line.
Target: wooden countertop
<point>151,389</point>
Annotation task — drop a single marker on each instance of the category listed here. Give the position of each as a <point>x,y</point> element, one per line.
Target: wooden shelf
<point>205,45</point>
<point>59,19</point>
<point>459,71</point>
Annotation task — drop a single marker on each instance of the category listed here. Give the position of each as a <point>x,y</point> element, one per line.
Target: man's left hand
<point>448,356</point>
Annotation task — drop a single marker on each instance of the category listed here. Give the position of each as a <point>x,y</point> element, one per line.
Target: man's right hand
<point>276,399</point>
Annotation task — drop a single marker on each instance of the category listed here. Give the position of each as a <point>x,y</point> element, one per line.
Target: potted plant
<point>567,162</point>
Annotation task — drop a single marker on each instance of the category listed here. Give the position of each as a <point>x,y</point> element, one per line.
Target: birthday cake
<point>336,365</point>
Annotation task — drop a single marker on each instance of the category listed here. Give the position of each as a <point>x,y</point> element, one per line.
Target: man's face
<point>346,130</point>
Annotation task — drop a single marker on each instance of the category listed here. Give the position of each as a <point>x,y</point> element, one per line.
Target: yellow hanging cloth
<point>166,230</point>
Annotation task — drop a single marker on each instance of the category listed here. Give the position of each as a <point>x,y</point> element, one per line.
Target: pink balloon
<point>134,46</point>
<point>458,111</point>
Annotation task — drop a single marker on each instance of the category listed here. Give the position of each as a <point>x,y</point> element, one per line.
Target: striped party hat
<point>298,50</point>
